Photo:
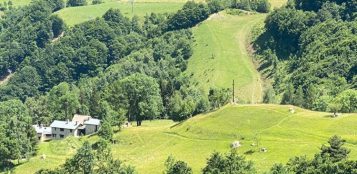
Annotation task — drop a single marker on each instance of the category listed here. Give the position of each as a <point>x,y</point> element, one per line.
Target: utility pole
<point>233,93</point>
<point>132,6</point>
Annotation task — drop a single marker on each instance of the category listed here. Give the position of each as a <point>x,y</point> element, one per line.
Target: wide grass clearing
<point>76,15</point>
<point>221,55</point>
<point>284,134</point>
<point>277,3</point>
<point>17,3</point>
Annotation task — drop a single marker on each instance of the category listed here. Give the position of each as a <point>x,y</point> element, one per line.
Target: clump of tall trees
<point>309,49</point>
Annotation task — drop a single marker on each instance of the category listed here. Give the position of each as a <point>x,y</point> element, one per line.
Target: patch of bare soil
<point>5,79</point>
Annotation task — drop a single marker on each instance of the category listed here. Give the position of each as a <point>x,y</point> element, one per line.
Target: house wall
<point>90,129</point>
<point>44,137</point>
<point>39,136</point>
<point>56,133</point>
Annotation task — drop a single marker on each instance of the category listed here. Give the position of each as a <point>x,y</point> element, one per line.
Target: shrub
<point>263,6</point>
<point>73,3</point>
<point>229,163</point>
<point>176,167</point>
<point>97,2</point>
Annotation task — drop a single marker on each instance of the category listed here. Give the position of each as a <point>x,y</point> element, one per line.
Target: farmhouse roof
<point>64,124</point>
<point>42,130</point>
<point>80,118</point>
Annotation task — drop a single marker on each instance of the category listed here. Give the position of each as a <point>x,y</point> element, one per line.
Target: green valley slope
<point>284,134</point>
<point>220,55</point>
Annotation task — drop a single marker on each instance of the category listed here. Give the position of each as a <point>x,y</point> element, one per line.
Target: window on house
<point>54,135</point>
<point>70,130</point>
<point>48,135</point>
<point>61,129</point>
<point>61,136</point>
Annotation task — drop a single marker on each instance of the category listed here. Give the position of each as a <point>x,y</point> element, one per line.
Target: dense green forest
<point>309,49</point>
<point>112,68</point>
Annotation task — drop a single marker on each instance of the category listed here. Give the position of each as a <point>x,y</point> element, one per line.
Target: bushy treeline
<point>262,6</point>
<point>193,13</point>
<point>309,49</point>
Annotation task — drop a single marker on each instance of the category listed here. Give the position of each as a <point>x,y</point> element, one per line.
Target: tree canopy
<point>309,49</point>
<point>18,138</point>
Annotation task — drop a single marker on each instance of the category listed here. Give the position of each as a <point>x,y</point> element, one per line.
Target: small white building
<point>91,126</point>
<point>43,133</point>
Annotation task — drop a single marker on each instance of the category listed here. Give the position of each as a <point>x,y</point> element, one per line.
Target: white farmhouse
<point>63,129</point>
<point>80,125</point>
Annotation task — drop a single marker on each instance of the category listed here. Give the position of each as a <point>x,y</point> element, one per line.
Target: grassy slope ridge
<point>220,55</point>
<point>272,126</point>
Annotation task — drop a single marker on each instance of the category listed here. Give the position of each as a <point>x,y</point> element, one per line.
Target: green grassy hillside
<point>271,126</point>
<point>277,3</point>
<point>17,2</point>
<point>76,15</point>
<point>220,55</point>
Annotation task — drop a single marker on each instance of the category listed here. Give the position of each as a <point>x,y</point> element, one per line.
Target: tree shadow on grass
<point>9,166</point>
<point>183,121</point>
<point>331,116</point>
